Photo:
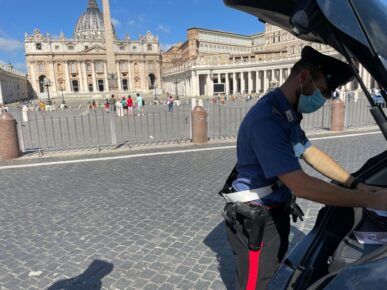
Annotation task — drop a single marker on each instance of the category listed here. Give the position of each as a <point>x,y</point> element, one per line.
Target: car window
<point>345,21</point>
<point>373,16</point>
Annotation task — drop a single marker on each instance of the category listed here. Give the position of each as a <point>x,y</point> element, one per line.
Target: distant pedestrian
<point>120,108</point>
<point>107,106</point>
<point>170,104</point>
<point>124,105</point>
<point>130,105</point>
<point>112,103</point>
<point>140,105</point>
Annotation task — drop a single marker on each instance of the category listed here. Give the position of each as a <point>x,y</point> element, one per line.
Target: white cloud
<point>163,28</point>
<point>9,44</point>
<point>116,22</point>
<point>138,21</point>
<point>165,46</point>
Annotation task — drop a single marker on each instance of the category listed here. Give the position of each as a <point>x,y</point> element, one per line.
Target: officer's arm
<point>308,187</point>
<point>328,167</point>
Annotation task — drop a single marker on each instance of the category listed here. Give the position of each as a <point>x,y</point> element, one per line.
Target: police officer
<point>269,146</point>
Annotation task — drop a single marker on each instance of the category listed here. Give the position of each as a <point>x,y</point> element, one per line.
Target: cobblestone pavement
<point>142,223</point>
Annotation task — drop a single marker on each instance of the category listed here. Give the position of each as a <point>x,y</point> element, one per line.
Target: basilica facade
<point>80,65</point>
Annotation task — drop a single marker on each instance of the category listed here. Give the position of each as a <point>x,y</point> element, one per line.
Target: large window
<point>125,86</point>
<point>101,85</point>
<point>75,85</point>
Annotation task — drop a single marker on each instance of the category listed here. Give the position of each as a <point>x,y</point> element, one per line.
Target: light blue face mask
<point>310,104</point>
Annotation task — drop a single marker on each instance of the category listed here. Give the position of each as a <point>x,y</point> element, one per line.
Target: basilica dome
<point>90,25</point>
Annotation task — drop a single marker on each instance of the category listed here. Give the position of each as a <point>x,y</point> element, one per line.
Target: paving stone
<point>164,231</point>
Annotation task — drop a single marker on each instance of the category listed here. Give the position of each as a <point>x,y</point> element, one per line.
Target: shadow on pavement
<point>90,279</point>
<point>217,241</point>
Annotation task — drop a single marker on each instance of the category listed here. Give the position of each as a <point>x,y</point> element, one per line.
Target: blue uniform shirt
<point>270,143</point>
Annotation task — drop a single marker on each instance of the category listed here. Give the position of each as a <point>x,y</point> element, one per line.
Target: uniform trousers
<point>254,269</point>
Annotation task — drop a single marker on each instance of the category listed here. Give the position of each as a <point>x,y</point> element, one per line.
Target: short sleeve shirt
<point>270,143</point>
<point>139,101</point>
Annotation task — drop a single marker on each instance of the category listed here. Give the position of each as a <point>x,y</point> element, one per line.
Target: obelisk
<point>109,45</point>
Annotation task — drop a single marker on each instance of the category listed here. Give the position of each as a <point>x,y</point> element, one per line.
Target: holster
<point>253,219</point>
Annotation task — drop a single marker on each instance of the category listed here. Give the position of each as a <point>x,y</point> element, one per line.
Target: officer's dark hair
<point>301,65</point>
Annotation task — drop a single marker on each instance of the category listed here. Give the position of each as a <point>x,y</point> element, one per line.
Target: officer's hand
<point>369,188</point>
<point>381,200</point>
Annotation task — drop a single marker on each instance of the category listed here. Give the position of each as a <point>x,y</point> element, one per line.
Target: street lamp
<point>47,84</point>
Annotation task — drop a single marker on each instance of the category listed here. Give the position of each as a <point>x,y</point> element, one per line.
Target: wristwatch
<point>355,183</point>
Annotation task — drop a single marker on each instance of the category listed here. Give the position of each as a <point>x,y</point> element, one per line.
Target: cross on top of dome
<point>92,4</point>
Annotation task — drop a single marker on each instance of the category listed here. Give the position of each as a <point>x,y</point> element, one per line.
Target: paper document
<point>371,238</point>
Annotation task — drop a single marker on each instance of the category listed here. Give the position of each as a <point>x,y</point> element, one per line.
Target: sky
<point>169,19</point>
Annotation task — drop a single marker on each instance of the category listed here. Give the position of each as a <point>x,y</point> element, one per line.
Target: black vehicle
<point>330,256</point>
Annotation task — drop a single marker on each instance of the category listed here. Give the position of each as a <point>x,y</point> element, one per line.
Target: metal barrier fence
<point>358,114</point>
<point>97,128</point>
<point>100,129</point>
<point>224,121</point>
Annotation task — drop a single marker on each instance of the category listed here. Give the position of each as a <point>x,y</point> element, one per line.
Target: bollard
<point>338,116</point>
<point>199,125</point>
<point>9,141</point>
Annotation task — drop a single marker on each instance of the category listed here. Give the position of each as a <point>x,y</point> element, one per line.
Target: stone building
<point>14,85</point>
<point>212,61</point>
<point>80,66</point>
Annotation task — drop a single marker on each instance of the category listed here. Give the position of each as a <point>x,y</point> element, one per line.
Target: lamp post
<point>47,84</point>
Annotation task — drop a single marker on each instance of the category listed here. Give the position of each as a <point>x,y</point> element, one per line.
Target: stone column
<point>234,83</point>
<point>208,85</point>
<point>107,88</point>
<point>85,75</point>
<point>119,76</point>
<point>265,81</point>
<point>67,72</point>
<point>195,84</point>
<point>258,81</point>
<point>1,93</point>
<point>243,83</point>
<point>250,82</point>
<point>227,84</point>
<point>281,76</point>
<point>80,78</point>
<point>95,85</point>
<point>130,85</point>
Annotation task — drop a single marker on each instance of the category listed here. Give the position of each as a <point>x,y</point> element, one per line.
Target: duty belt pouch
<point>227,188</point>
<point>254,221</point>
